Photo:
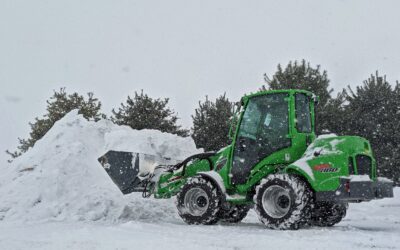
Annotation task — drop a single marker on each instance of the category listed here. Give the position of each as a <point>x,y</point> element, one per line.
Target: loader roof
<point>266,92</point>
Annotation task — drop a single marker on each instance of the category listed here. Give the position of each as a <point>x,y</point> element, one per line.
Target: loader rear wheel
<point>327,214</point>
<point>198,202</point>
<point>235,214</point>
<point>283,201</point>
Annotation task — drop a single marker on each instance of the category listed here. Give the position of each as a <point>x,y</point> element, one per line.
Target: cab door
<point>263,130</point>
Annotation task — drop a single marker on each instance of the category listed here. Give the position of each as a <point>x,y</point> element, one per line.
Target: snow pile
<point>61,179</point>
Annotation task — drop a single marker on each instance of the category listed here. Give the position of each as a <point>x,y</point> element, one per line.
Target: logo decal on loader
<point>325,168</point>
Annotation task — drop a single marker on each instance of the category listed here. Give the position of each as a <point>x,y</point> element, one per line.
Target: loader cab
<point>273,127</point>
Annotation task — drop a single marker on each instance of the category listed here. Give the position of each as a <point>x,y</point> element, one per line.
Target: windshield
<point>266,117</point>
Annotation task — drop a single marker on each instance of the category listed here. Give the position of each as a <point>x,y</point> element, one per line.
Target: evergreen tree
<point>394,162</point>
<point>57,106</point>
<point>303,76</point>
<point>211,123</point>
<point>144,112</point>
<point>374,113</point>
<point>334,114</point>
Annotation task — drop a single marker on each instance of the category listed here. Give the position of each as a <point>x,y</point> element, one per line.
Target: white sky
<point>183,50</point>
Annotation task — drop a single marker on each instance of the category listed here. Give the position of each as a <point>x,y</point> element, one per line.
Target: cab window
<point>303,115</point>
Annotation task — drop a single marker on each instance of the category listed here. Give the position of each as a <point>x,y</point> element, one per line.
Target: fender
<point>219,183</point>
<point>304,172</point>
<point>216,179</point>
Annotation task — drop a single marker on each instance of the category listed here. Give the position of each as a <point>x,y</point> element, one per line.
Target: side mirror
<point>232,127</point>
<point>236,107</point>
<point>315,99</point>
<point>236,112</point>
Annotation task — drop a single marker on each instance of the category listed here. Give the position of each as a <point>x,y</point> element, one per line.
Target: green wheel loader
<point>275,165</point>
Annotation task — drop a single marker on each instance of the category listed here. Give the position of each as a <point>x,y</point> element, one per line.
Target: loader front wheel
<point>198,202</point>
<point>283,201</point>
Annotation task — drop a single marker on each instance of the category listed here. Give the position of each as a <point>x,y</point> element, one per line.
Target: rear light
<point>347,186</point>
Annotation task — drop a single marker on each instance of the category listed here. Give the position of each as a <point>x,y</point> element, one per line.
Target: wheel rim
<point>196,201</point>
<point>276,201</point>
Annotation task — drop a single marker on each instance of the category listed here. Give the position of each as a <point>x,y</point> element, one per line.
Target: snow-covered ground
<point>373,225</point>
<point>57,196</point>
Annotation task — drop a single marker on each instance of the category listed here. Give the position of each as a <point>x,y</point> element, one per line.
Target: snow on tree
<point>144,112</point>
<point>58,106</point>
<point>211,123</point>
<point>302,76</point>
<point>373,112</point>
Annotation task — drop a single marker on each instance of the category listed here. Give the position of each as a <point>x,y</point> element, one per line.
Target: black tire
<point>327,214</point>
<point>199,201</point>
<point>235,214</point>
<point>283,201</point>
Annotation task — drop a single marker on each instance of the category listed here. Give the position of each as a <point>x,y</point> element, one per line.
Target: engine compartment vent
<point>364,165</point>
